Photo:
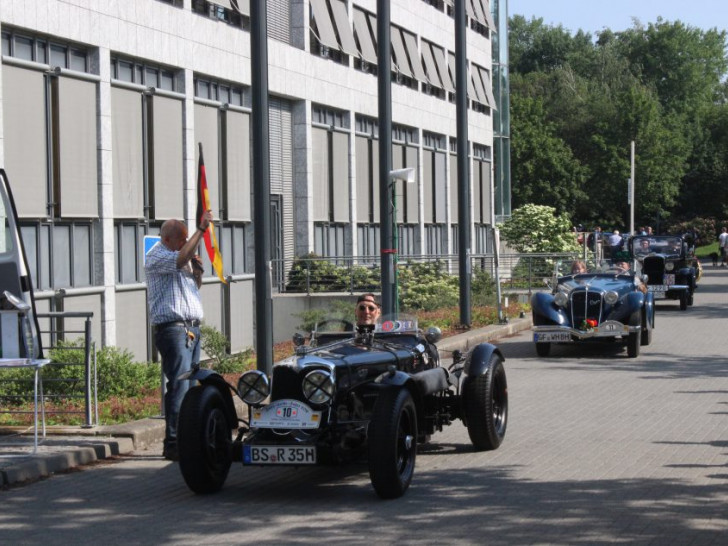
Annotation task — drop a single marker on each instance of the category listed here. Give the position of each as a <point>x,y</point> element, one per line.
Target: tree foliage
<point>579,100</point>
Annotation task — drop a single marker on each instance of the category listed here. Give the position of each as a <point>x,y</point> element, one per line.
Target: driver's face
<point>367,312</point>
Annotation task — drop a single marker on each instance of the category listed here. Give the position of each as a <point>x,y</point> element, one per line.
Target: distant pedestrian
<point>723,244</point>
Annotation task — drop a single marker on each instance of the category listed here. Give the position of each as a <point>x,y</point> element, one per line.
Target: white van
<point>18,322</point>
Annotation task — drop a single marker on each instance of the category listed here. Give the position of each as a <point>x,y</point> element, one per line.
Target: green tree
<point>538,228</point>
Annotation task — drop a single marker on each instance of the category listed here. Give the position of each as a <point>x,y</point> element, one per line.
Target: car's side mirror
<point>433,335</point>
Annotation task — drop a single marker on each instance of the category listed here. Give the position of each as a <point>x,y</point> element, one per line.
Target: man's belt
<point>186,323</point>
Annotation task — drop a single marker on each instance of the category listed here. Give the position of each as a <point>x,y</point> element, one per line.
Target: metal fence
<point>522,273</point>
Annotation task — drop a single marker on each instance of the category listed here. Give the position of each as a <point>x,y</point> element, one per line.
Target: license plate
<point>657,288</point>
<point>275,455</point>
<point>540,337</point>
<point>289,414</point>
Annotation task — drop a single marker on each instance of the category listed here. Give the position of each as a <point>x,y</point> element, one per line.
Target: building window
<point>330,240</point>
<point>60,254</point>
<point>222,92</point>
<point>224,10</point>
<point>149,75</point>
<point>330,147</point>
<point>33,48</point>
<point>368,236</point>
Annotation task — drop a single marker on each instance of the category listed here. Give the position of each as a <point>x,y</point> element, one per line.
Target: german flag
<point>203,204</point>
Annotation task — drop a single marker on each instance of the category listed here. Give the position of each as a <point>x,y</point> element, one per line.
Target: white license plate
<point>551,337</point>
<point>657,288</point>
<point>274,455</point>
<point>290,414</point>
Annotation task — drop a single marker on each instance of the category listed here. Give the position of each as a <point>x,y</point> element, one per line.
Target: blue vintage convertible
<point>609,305</point>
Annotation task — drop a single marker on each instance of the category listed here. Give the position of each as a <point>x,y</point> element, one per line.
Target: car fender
<point>397,379</point>
<point>545,311</point>
<point>206,376</point>
<point>635,301</point>
<point>479,361</point>
<point>650,308</point>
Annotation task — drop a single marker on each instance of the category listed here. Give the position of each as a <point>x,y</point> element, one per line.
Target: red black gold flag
<point>203,204</point>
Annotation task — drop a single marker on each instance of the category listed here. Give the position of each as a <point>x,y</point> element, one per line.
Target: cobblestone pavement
<point>600,449</point>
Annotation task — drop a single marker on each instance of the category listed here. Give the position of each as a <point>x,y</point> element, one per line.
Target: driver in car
<point>367,310</point>
<point>624,267</point>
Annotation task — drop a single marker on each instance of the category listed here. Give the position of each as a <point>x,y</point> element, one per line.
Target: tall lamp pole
<point>384,87</point>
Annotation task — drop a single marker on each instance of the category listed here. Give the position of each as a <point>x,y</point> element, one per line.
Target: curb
<point>40,465</point>
<point>468,340</point>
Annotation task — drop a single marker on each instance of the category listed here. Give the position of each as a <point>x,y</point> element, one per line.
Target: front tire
<point>543,349</point>
<point>486,406</point>
<point>633,344</point>
<point>392,443</point>
<point>683,301</point>
<point>204,440</point>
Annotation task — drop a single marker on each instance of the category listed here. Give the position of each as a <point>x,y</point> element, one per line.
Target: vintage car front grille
<point>585,305</point>
<point>654,268</point>
<point>286,384</point>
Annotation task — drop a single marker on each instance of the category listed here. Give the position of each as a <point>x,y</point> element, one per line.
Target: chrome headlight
<point>318,386</point>
<point>611,297</point>
<point>669,266</point>
<point>561,299</point>
<point>253,387</point>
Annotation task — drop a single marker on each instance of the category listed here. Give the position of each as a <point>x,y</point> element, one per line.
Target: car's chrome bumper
<point>566,334</point>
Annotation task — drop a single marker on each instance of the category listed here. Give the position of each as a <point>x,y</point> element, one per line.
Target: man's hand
<point>206,220</point>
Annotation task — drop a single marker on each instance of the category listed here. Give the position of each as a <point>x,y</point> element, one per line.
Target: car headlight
<point>253,387</point>
<point>611,297</point>
<point>561,299</point>
<point>318,386</point>
<point>669,266</point>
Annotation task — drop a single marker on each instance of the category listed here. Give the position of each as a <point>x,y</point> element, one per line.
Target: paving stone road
<point>600,449</point>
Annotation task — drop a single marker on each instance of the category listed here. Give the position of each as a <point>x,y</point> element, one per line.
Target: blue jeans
<point>178,356</point>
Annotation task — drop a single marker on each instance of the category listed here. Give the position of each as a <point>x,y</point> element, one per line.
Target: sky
<point>595,15</point>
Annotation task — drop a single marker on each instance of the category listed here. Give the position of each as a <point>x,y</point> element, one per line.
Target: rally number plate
<point>279,455</point>
<point>552,337</point>
<point>287,414</point>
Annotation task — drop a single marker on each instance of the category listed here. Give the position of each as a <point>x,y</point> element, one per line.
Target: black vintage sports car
<point>670,266</point>
<point>601,306</point>
<point>369,392</point>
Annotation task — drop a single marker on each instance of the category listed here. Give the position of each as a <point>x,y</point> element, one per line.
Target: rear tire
<point>633,344</point>
<point>204,440</point>
<point>485,398</point>
<point>392,443</point>
<point>543,349</point>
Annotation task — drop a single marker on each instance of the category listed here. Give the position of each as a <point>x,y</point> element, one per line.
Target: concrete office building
<point>103,102</point>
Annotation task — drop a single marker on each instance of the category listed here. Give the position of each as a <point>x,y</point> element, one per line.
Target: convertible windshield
<point>389,324</point>
<point>668,246</point>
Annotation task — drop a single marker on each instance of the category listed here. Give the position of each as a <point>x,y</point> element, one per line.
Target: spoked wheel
<point>392,440</point>
<point>204,439</point>
<point>633,344</point>
<point>543,349</point>
<point>486,406</point>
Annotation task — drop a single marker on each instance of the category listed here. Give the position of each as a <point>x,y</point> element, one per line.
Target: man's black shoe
<point>170,453</point>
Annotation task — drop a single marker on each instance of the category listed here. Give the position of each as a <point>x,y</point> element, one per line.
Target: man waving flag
<point>203,204</point>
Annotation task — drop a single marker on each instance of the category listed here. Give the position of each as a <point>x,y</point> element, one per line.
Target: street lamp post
<point>407,175</point>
